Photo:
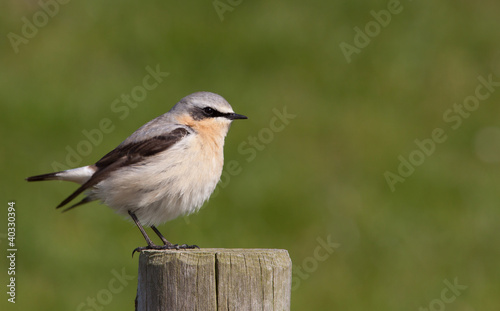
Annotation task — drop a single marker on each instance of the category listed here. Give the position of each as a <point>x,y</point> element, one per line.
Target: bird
<point>165,169</point>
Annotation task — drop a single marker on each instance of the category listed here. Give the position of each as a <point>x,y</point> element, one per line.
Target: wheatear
<point>165,169</point>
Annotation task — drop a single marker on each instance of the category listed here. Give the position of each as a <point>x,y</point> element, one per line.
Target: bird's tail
<point>50,176</point>
<point>79,175</point>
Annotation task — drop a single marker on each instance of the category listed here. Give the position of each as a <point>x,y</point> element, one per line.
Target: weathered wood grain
<point>214,279</point>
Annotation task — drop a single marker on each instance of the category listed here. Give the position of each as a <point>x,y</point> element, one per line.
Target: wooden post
<point>214,279</point>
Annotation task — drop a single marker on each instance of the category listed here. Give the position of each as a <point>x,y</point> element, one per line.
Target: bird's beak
<point>234,116</point>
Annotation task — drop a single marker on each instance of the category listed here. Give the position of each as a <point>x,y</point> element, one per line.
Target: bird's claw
<point>166,246</point>
<point>185,246</point>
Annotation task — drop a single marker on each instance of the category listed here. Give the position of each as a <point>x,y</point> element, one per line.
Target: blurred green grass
<point>321,176</point>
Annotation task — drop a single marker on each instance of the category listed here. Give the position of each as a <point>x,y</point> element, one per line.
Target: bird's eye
<point>209,111</point>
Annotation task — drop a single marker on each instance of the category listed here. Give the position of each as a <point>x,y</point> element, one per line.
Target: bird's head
<point>206,113</point>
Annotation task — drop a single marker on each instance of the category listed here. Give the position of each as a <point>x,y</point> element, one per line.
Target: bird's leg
<point>170,245</point>
<point>165,241</point>
<point>138,224</point>
<point>151,245</point>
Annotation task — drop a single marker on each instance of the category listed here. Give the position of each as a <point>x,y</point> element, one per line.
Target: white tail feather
<point>79,175</point>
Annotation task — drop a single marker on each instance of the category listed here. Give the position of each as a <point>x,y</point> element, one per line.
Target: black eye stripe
<point>209,110</point>
<point>206,112</point>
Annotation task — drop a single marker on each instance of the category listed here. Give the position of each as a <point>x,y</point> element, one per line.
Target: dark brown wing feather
<point>127,155</point>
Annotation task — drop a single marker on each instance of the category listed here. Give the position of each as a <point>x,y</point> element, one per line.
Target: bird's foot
<point>166,246</point>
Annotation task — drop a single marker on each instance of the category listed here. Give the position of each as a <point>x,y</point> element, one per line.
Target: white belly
<point>170,184</point>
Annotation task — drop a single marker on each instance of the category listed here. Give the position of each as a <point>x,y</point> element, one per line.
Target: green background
<point>321,177</point>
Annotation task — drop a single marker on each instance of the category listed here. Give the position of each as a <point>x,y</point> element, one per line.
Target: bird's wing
<point>128,154</point>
